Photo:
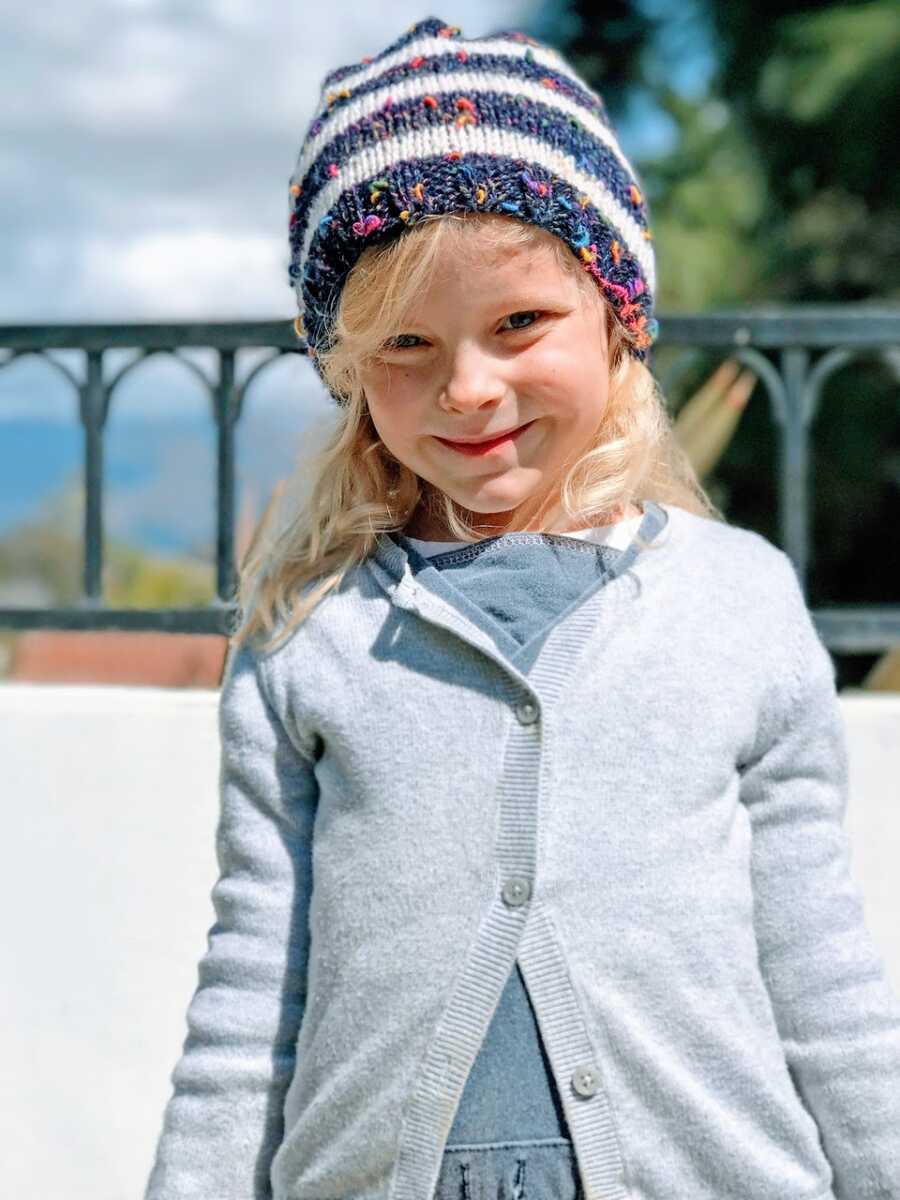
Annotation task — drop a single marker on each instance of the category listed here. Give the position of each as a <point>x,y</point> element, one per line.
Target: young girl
<point>533,876</point>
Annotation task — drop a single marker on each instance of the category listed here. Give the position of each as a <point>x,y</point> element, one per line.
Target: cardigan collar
<point>390,565</point>
<point>390,561</point>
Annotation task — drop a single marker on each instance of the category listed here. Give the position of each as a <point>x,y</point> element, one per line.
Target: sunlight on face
<point>495,343</point>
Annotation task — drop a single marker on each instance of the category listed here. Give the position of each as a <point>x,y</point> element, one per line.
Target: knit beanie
<point>437,123</point>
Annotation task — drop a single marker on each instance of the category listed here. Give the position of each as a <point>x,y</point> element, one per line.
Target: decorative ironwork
<point>793,350</point>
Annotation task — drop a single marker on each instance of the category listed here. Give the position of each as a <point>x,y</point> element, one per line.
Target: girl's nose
<point>472,385</point>
<point>469,401</point>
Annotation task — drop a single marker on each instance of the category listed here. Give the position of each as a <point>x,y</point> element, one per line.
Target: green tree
<point>817,87</point>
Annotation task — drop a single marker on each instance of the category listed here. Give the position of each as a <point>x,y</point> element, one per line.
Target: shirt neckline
<point>616,535</point>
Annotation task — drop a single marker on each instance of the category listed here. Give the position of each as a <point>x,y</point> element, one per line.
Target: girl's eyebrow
<point>529,301</point>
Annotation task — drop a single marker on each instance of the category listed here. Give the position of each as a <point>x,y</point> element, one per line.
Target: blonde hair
<point>359,490</point>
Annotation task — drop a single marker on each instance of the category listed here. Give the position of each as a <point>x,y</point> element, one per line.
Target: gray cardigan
<point>649,820</point>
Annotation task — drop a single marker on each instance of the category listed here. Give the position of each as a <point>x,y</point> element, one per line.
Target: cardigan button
<point>527,712</point>
<point>516,891</point>
<point>584,1080</point>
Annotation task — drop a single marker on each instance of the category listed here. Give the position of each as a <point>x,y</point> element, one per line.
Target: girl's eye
<point>529,313</point>
<point>396,343</point>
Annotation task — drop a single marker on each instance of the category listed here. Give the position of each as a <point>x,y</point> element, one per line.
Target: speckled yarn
<point>437,123</point>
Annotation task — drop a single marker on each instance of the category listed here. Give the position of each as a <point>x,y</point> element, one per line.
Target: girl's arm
<point>838,1018</point>
<point>223,1121</point>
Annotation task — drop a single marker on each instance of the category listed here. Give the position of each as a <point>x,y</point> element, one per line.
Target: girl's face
<point>495,346</point>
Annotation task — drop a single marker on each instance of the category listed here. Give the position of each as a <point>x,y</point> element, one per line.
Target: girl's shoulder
<point>732,543</point>
<point>736,567</point>
<point>308,644</point>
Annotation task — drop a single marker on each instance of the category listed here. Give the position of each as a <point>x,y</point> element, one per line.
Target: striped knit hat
<point>436,123</point>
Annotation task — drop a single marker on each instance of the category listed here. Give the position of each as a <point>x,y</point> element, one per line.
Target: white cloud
<point>149,164</point>
<point>142,96</point>
<point>202,273</point>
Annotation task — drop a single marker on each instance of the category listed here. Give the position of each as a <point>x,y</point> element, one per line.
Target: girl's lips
<point>485,447</point>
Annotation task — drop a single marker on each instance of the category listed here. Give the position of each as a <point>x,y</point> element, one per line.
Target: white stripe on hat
<point>430,47</point>
<point>440,139</point>
<point>440,84</point>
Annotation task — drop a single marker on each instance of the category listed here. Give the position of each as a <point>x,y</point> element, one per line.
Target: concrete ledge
<point>108,861</point>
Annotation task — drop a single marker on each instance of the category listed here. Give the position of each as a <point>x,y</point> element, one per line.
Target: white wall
<point>107,863</point>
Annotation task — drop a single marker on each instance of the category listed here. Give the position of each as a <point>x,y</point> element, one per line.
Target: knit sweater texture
<point>642,806</point>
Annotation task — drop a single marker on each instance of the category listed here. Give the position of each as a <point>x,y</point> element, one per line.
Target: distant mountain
<point>160,476</point>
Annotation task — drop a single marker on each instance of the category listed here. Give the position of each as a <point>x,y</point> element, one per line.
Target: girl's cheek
<point>394,387</point>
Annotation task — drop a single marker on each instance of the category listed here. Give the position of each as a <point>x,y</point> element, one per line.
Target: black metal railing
<point>793,350</point>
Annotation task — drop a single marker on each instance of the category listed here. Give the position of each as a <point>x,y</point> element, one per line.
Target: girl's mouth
<point>486,447</point>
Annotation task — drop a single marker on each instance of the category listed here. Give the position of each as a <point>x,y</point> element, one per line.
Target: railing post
<point>226,416</point>
<point>793,473</point>
<point>93,418</point>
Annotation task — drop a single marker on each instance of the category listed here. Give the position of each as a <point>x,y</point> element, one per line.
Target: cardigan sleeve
<point>224,1118</point>
<point>836,1013</point>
